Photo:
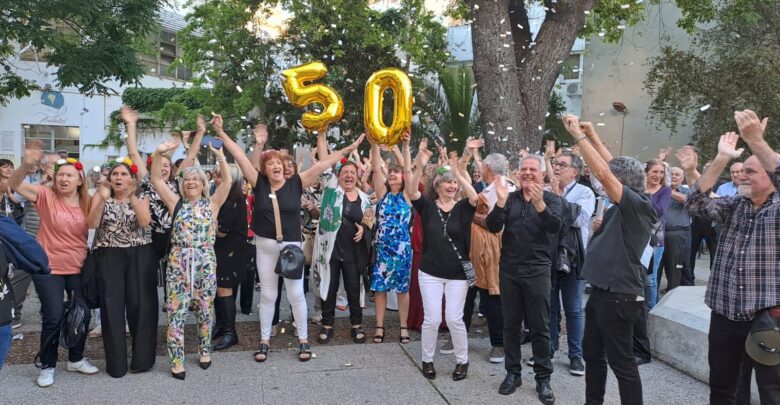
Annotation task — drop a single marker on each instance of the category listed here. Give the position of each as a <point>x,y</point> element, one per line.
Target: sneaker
<point>530,362</point>
<point>96,332</point>
<point>447,348</point>
<point>16,323</point>
<point>497,355</point>
<point>576,367</point>
<point>83,367</point>
<point>46,377</point>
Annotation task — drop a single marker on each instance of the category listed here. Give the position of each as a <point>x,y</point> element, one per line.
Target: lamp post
<point>621,108</point>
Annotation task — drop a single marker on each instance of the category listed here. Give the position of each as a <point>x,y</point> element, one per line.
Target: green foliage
<point>553,126</point>
<point>89,41</point>
<point>731,66</point>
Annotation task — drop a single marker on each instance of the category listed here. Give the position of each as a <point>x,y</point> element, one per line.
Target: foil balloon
<point>296,83</point>
<point>397,81</point>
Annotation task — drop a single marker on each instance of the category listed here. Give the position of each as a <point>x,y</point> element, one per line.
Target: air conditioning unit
<point>573,89</point>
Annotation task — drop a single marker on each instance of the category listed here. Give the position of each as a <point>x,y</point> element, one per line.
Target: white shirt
<point>581,195</point>
<point>490,193</point>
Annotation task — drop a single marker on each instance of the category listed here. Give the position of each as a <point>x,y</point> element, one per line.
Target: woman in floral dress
<point>393,243</point>
<point>191,273</point>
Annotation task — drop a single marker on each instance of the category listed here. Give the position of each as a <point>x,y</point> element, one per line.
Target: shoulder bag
<point>162,264</point>
<point>291,257</point>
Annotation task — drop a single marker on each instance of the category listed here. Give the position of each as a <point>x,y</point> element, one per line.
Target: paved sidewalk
<point>347,374</point>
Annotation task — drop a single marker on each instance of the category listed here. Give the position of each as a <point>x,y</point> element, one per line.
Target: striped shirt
<point>745,276</point>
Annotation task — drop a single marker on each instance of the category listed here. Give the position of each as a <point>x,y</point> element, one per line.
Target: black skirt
<point>231,260</point>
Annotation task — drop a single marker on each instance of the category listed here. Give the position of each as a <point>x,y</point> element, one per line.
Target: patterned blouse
<point>161,216</point>
<point>119,227</point>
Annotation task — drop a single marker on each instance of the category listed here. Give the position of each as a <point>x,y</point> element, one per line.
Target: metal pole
<point>622,127</point>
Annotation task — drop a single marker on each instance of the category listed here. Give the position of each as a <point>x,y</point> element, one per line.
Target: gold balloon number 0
<point>301,95</point>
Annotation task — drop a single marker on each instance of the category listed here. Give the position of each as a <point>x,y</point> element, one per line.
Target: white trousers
<point>432,288</point>
<point>267,256</point>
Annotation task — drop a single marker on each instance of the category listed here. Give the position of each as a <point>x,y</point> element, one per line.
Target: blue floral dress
<point>393,245</point>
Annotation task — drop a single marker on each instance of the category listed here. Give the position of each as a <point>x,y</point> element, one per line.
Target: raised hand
<point>33,152</point>
<point>201,124</point>
<point>555,185</point>
<point>572,124</point>
<point>549,149</point>
<point>129,116</point>
<point>751,128</point>
<point>355,144</point>
<point>424,154</point>
<point>663,154</point>
<point>688,158</point>
<point>168,145</point>
<point>217,122</point>
<point>406,137</point>
<point>472,143</point>
<point>727,146</point>
<point>260,132</point>
<point>536,192</point>
<point>587,129</point>
<point>217,152</point>
<point>523,153</point>
<point>502,191</point>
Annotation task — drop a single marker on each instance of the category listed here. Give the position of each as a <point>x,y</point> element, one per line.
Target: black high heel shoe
<point>460,371</point>
<point>179,376</point>
<point>204,364</point>
<point>428,371</point>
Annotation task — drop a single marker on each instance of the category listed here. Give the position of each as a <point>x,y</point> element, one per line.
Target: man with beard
<point>531,219</point>
<point>744,279</point>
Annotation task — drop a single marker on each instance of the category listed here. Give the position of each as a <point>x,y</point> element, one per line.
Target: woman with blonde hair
<point>62,208</point>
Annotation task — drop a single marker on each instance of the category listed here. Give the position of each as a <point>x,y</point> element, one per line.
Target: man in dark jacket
<point>531,220</point>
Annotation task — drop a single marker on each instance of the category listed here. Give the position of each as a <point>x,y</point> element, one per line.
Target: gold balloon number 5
<point>302,94</point>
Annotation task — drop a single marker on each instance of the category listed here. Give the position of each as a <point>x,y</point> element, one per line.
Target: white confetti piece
<point>602,114</point>
<point>540,128</point>
<point>461,114</point>
<point>601,124</point>
<point>239,89</point>
<point>508,128</point>
<point>624,6</point>
<point>705,108</point>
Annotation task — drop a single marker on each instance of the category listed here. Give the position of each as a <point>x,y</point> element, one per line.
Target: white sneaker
<point>83,367</point>
<point>46,377</point>
<point>497,355</point>
<point>96,332</point>
<point>447,347</point>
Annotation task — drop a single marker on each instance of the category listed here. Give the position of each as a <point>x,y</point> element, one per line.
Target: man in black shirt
<point>531,219</point>
<point>613,268</point>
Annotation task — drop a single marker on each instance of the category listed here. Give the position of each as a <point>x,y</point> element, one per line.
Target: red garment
<point>250,203</point>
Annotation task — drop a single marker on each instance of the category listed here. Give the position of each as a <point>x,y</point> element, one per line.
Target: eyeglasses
<point>560,164</point>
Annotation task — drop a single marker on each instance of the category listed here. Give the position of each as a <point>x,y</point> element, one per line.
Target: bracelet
<point>222,159</point>
<point>577,140</point>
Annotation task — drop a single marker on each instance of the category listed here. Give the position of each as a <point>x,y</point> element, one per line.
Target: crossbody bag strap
<point>176,210</point>
<point>444,223</point>
<point>277,217</point>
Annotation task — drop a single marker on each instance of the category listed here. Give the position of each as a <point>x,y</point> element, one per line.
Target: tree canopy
<point>730,66</point>
<point>88,41</point>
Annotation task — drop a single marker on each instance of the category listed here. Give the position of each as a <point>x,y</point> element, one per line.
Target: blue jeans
<point>5,342</point>
<point>651,282</point>
<point>570,290</point>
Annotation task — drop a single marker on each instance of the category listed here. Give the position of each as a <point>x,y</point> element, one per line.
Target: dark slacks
<point>51,290</point>
<point>246,287</point>
<point>127,283</point>
<point>609,328</point>
<point>20,284</point>
<point>490,306</point>
<point>701,230</point>
<point>351,275</point>
<point>728,362</point>
<point>526,299</point>
<point>676,259</point>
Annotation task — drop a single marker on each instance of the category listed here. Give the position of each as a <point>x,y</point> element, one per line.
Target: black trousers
<point>609,328</point>
<point>20,284</point>
<point>351,275</point>
<point>246,287</point>
<point>127,283</point>
<point>728,361</point>
<point>676,262</point>
<point>490,306</point>
<point>701,229</point>
<point>526,299</point>
<point>51,290</point>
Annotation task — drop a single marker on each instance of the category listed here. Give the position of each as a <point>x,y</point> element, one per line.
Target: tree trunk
<point>517,96</point>
<point>495,72</point>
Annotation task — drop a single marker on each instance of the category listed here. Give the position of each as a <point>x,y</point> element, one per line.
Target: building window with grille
<point>166,52</point>
<point>55,138</point>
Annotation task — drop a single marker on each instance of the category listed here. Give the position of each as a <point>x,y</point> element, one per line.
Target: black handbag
<point>162,264</point>
<point>71,326</point>
<point>291,257</point>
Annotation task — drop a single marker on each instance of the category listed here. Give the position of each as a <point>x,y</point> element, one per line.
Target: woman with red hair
<point>269,182</point>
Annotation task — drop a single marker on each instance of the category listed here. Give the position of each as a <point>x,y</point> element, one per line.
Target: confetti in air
<point>704,108</point>
<point>601,124</point>
<point>239,89</point>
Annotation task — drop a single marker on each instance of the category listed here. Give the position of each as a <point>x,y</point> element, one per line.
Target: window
<point>571,68</point>
<point>167,51</point>
<point>55,138</point>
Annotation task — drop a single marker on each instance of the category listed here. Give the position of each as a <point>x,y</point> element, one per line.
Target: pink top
<point>62,233</point>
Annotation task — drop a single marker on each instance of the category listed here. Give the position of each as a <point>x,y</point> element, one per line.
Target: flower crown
<point>68,161</point>
<point>342,162</point>
<point>127,161</point>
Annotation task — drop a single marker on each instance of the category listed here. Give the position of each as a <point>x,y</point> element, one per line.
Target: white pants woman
<point>432,288</point>
<point>267,256</point>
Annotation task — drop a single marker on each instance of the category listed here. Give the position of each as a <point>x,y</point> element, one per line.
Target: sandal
<point>304,352</point>
<point>380,338</point>
<point>325,335</point>
<point>405,339</point>
<point>262,351</point>
<point>358,335</point>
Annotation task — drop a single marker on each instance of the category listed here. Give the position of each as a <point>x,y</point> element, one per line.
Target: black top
<point>439,258</point>
<point>289,199</point>
<point>613,258</point>
<point>530,238</point>
<point>351,214</point>
<point>232,218</point>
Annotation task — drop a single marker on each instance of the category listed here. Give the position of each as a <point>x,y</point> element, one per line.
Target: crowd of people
<point>435,234</point>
